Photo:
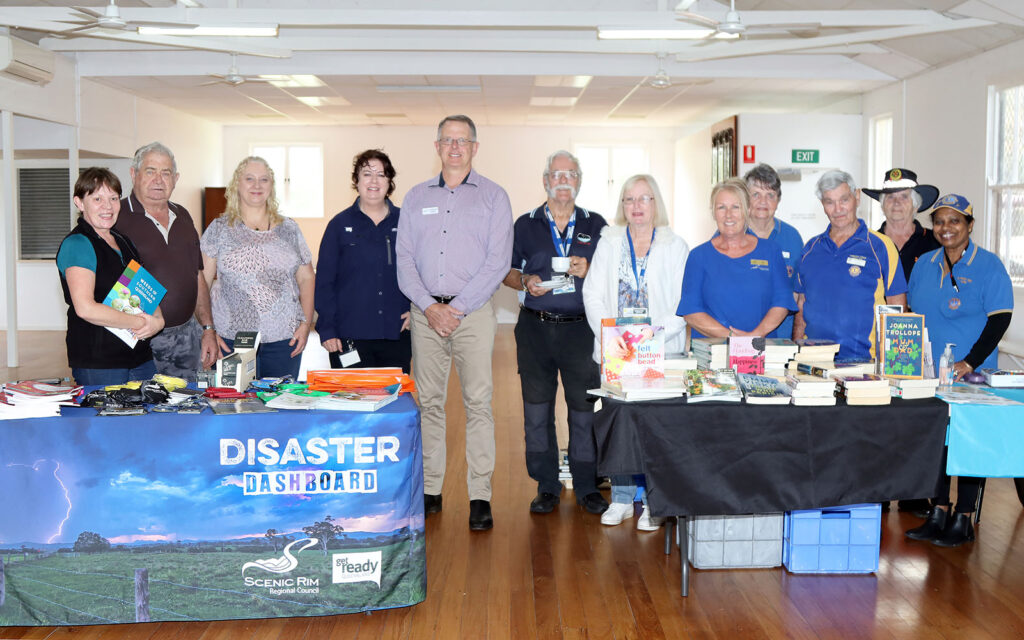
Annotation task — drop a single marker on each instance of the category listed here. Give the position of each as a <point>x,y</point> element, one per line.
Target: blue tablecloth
<point>185,517</point>
<point>987,441</point>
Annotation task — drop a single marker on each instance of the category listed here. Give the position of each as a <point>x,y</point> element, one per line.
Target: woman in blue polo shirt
<point>735,283</point>
<point>966,297</point>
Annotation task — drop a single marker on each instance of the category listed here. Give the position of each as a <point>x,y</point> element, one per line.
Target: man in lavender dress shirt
<point>454,247</point>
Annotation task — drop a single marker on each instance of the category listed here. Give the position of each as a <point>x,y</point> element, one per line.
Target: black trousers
<point>967,488</point>
<point>379,353</point>
<point>544,350</point>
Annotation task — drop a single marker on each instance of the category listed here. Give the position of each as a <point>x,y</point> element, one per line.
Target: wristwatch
<point>522,281</point>
<point>207,327</point>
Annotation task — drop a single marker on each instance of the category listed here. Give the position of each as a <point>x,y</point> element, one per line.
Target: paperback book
<point>136,291</point>
<point>631,348</point>
<point>746,354</point>
<point>764,389</point>
<point>1003,377</point>
<point>902,345</point>
<point>707,384</point>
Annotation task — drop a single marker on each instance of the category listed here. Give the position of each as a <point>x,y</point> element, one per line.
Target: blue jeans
<point>273,360</point>
<point>144,371</point>
<point>624,489</point>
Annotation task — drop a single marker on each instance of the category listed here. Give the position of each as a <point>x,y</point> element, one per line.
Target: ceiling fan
<point>110,18</point>
<point>732,25</point>
<point>232,77</point>
<point>661,79</point>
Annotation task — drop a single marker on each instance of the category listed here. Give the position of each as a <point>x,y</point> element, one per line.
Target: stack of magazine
<point>35,399</point>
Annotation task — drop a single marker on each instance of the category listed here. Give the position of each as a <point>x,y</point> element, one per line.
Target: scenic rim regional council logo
<point>854,271</point>
<point>286,562</point>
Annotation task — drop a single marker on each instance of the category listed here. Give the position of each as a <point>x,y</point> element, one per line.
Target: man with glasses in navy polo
<point>552,335</point>
<point>454,246</point>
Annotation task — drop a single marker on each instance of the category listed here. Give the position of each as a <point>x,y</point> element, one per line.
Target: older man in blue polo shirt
<point>453,249</point>
<point>552,335</point>
<point>844,272</point>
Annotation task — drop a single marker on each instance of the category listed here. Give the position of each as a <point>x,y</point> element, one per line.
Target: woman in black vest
<point>90,260</point>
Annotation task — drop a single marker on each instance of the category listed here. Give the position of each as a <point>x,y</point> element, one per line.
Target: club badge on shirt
<point>954,303</point>
<point>758,264</point>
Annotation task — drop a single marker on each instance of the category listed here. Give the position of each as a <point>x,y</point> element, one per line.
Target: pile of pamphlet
<point>35,399</point>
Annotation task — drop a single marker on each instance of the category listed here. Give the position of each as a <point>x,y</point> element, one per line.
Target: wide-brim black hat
<point>900,179</point>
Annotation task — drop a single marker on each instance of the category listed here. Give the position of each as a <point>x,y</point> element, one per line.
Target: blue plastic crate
<point>832,540</point>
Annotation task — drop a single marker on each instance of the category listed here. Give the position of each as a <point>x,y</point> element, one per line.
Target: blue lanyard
<point>561,246</point>
<point>632,256</point>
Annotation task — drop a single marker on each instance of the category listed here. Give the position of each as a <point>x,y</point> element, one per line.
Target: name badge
<point>857,261</point>
<point>429,211</point>
<point>570,287</point>
<point>785,255</point>
<point>348,229</point>
<point>634,312</point>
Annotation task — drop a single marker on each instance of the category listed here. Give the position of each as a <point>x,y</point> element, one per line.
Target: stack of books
<point>764,389</point>
<point>677,364</point>
<point>811,391</point>
<point>711,353</point>
<point>35,399</point>
<point>639,388</point>
<point>816,350</point>
<point>564,475</point>
<point>910,389</point>
<point>866,388</point>
<point>1003,377</point>
<point>830,369</point>
<point>777,352</point>
<point>705,384</point>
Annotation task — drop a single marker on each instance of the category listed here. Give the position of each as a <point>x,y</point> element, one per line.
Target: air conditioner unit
<point>25,61</point>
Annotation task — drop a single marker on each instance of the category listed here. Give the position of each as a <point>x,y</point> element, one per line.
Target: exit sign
<point>806,156</point>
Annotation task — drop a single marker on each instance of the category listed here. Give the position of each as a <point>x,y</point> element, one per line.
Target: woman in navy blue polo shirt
<point>966,297</point>
<point>360,309</point>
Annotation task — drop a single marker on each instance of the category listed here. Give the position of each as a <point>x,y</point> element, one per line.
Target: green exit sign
<point>806,156</point>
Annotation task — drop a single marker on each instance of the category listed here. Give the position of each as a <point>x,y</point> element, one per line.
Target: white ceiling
<point>519,62</point>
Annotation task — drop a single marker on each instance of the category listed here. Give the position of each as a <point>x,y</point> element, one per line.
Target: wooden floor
<point>564,575</point>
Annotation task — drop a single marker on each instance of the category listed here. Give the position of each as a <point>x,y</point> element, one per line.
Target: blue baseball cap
<point>957,203</point>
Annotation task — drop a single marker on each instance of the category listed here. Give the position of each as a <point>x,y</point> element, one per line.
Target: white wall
<point>693,219</point>
<point>511,156</point>
<point>775,136</point>
<point>114,125</point>
<point>940,121</point>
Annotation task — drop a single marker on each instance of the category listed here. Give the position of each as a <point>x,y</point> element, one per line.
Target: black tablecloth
<point>718,458</point>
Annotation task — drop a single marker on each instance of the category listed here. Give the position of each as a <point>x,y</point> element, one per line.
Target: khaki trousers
<point>471,347</point>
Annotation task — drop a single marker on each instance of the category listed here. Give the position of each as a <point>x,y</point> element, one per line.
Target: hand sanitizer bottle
<point>946,366</point>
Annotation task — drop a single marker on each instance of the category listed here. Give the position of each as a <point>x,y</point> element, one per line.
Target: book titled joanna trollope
<point>902,345</point>
<point>135,292</point>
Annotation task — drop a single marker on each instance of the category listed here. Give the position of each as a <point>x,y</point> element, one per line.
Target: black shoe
<point>594,503</point>
<point>920,507</point>
<point>544,503</point>
<point>932,527</point>
<point>431,503</point>
<point>480,515</point>
<point>958,531</point>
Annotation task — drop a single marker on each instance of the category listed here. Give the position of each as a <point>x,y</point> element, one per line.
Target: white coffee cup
<point>560,264</point>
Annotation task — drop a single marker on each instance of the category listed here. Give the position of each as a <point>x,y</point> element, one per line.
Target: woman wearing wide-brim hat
<point>901,197</point>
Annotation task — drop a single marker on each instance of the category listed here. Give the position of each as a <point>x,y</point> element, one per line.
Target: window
<point>879,160</point>
<point>45,211</point>
<point>298,177</point>
<point>604,169</point>
<point>1006,191</point>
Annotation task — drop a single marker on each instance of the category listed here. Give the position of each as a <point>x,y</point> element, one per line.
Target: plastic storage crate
<point>735,542</point>
<point>833,540</point>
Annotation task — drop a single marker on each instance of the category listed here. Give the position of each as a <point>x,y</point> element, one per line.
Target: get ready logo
<point>356,567</point>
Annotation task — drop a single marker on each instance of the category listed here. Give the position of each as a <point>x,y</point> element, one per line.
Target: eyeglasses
<point>447,142</point>
<point>568,175</point>
<point>644,199</point>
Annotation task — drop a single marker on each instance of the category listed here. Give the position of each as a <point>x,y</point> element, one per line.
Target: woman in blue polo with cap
<point>966,297</point>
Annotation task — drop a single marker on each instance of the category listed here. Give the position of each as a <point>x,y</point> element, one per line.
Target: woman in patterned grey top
<point>263,271</point>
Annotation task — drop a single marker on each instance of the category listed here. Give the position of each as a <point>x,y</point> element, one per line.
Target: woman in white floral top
<point>260,272</point>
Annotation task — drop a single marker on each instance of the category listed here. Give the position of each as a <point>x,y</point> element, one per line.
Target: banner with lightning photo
<point>206,517</point>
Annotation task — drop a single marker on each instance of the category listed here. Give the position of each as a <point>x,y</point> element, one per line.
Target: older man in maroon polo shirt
<point>167,240</point>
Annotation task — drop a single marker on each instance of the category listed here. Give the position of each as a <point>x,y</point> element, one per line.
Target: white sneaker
<point>647,522</point>
<point>616,513</point>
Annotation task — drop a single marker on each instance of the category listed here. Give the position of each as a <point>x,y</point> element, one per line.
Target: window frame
<point>993,186</point>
